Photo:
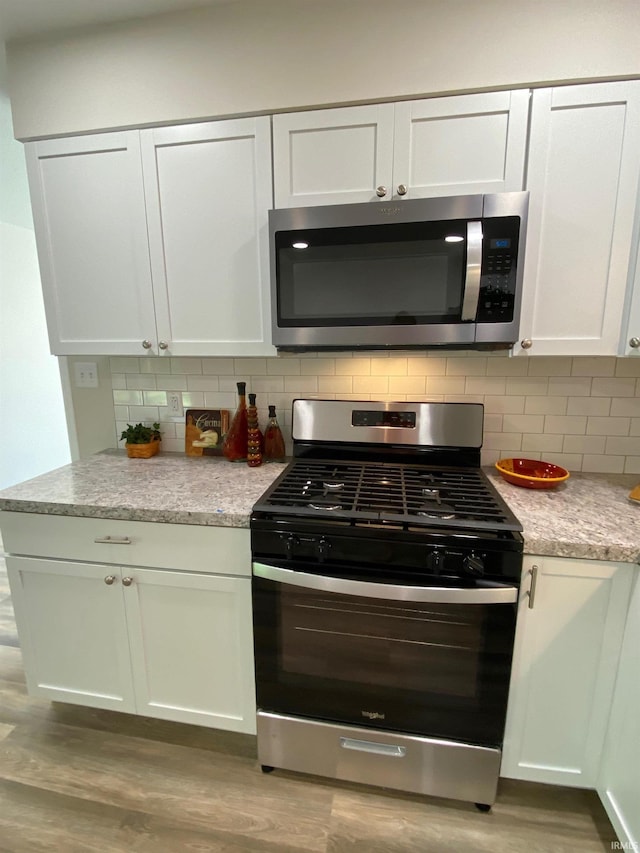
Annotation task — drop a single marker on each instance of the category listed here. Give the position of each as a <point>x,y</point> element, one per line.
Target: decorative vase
<point>143,451</point>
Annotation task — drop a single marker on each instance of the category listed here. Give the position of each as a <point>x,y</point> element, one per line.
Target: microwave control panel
<point>499,268</point>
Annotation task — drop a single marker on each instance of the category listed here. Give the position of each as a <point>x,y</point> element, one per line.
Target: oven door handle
<point>471,295</point>
<point>485,592</point>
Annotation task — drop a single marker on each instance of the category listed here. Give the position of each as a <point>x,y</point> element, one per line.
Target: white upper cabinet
<point>208,190</point>
<point>333,156</point>
<point>155,242</point>
<point>90,223</point>
<point>630,342</point>
<point>413,149</point>
<point>463,144</point>
<point>583,169</point>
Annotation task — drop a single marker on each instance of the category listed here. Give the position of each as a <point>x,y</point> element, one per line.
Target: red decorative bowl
<point>531,473</point>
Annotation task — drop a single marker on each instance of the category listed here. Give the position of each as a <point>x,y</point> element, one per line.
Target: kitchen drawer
<point>221,550</point>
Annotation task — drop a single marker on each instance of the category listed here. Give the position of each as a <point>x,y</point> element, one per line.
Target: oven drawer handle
<point>388,749</point>
<point>488,593</point>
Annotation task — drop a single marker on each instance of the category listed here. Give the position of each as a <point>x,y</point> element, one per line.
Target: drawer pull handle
<point>127,581</point>
<point>391,750</point>
<point>532,589</point>
<point>110,579</point>
<point>112,540</point>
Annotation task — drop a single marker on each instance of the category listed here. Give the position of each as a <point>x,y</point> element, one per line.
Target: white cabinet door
<point>619,781</point>
<point>208,195</point>
<point>91,230</point>
<point>630,342</point>
<point>463,144</point>
<point>565,659</point>
<point>583,174</point>
<point>191,639</point>
<point>333,156</point>
<point>73,632</point>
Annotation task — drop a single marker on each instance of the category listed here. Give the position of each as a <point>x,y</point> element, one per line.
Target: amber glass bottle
<point>235,443</point>
<point>273,439</point>
<point>254,437</point>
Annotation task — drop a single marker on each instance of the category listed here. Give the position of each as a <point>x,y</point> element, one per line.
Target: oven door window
<point>411,273</point>
<point>440,670</point>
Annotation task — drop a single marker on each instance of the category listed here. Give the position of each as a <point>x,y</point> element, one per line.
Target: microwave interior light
<point>453,238</point>
<point>300,244</point>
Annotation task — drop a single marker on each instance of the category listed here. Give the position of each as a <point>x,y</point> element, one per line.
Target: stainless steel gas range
<point>385,579</point>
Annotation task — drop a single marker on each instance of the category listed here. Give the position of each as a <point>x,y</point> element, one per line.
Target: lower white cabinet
<point>570,626</point>
<point>174,643</point>
<point>619,781</point>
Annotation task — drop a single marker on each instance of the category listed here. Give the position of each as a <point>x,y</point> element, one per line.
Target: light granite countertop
<point>169,487</point>
<point>589,516</point>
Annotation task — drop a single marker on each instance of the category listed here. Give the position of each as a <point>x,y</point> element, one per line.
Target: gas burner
<point>436,510</point>
<point>324,505</point>
<point>333,485</point>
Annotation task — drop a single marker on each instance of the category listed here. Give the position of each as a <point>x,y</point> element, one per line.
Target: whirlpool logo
<point>372,715</point>
<point>390,211</point>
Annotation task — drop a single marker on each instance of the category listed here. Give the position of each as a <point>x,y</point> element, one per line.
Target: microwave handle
<point>471,295</point>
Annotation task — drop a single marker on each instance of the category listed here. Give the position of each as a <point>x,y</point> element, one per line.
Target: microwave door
<point>471,294</point>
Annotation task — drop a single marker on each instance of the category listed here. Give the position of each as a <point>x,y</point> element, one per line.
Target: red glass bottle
<point>274,448</point>
<point>235,442</point>
<point>254,437</point>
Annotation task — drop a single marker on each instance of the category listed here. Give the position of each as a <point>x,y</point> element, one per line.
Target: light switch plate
<point>86,374</point>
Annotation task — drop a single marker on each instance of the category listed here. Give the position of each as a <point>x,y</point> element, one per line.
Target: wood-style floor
<point>77,779</point>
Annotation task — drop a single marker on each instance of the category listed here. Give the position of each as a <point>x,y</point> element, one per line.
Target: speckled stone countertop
<point>589,516</point>
<point>169,487</point>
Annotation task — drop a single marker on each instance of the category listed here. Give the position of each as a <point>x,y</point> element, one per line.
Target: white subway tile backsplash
<point>603,464</point>
<point>543,443</point>
<point>565,386</point>
<point>566,424</point>
<point>186,365</point>
<point>625,407</point>
<point>142,381</point>
<point>583,413</point>
<point>608,426</point>
<point>601,366</point>
<point>549,366</point>
<point>613,387</point>
<point>598,406</point>
<point>546,406</point>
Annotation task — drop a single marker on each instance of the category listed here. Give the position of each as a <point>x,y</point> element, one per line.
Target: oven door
<point>429,660</point>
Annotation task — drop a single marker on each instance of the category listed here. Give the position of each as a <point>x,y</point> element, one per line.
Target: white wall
<point>33,428</point>
<point>254,56</point>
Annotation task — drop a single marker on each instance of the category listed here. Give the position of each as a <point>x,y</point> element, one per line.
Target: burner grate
<point>420,495</point>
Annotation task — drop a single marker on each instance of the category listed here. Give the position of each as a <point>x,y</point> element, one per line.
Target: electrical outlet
<point>174,404</point>
<point>86,374</point>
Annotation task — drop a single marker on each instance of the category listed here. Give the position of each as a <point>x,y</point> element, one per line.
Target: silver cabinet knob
<point>381,191</point>
<point>402,189</point>
<point>163,345</point>
<point>146,344</point>
<point>526,343</point>
<point>635,343</point>
<point>110,579</point>
<point>127,581</point>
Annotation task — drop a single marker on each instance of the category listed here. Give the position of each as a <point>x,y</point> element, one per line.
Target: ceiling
<point>26,18</point>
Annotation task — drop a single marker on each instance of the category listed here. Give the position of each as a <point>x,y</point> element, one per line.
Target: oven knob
<point>473,565</point>
<point>435,561</point>
<point>323,549</point>
<point>289,543</point>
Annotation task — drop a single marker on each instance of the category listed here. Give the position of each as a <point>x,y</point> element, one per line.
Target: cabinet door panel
<point>90,223</point>
<point>332,156</point>
<point>208,196</point>
<point>565,659</point>
<point>619,782</point>
<point>463,144</point>
<point>192,648</point>
<point>73,632</point>
<point>583,177</point>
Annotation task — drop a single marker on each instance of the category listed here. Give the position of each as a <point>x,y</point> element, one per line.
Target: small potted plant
<point>141,441</point>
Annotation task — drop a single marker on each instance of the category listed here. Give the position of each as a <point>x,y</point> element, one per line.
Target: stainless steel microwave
<point>416,273</point>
